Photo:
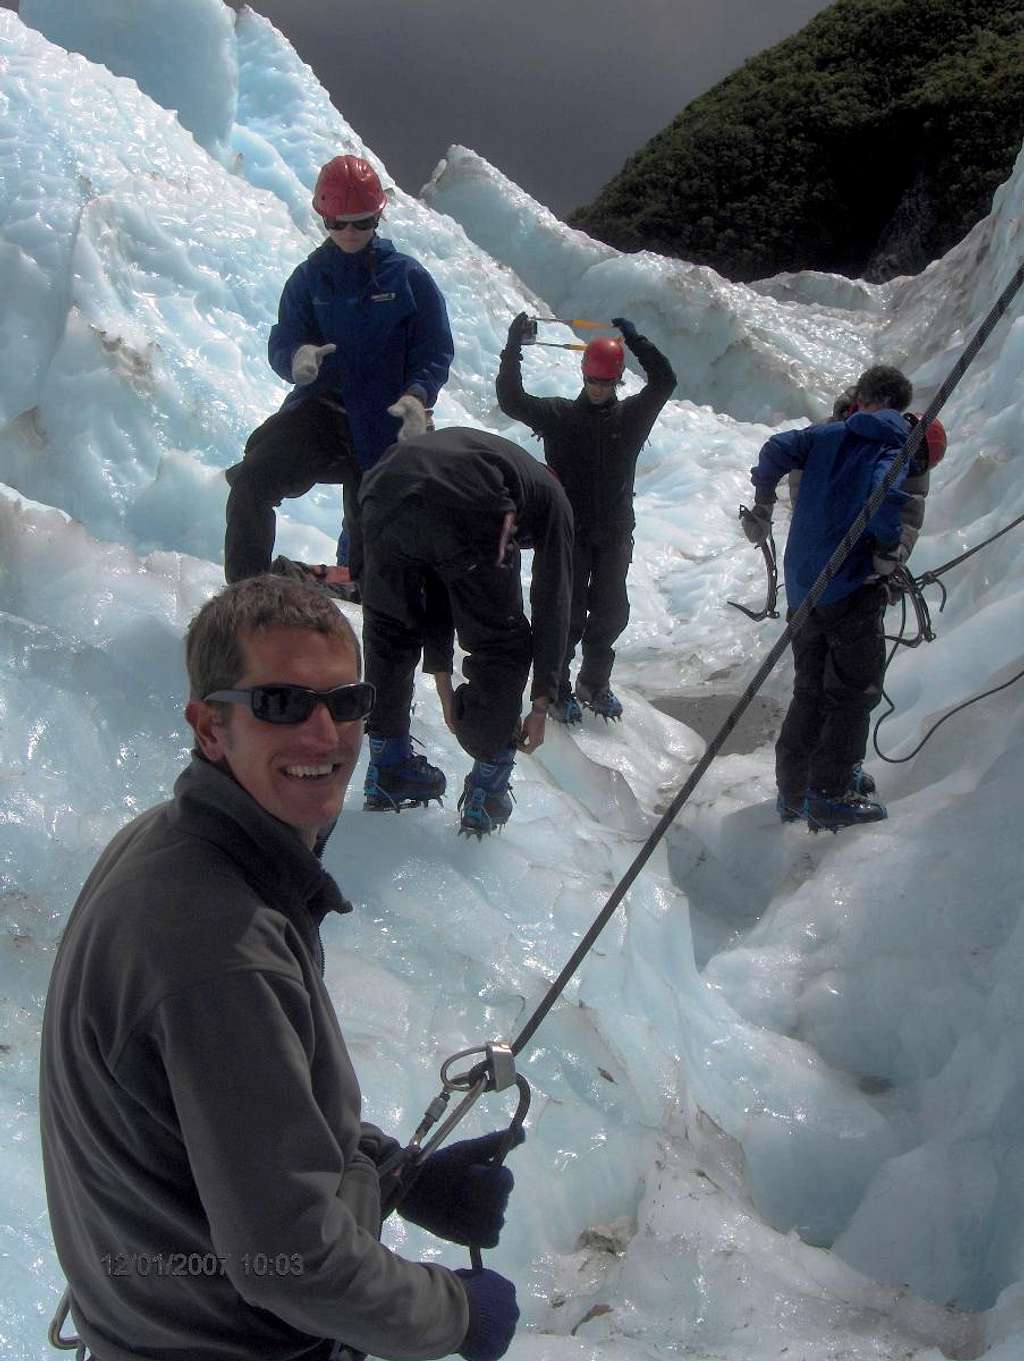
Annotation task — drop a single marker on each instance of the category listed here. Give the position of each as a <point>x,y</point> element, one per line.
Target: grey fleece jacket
<point>213,1193</point>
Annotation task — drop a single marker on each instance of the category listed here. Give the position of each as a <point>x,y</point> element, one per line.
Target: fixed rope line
<point>933,574</point>
<point>794,625</point>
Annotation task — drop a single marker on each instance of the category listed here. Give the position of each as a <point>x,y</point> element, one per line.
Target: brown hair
<point>214,639</point>
<point>886,386</point>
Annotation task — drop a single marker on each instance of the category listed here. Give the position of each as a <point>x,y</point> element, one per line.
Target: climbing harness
<point>771,564</point>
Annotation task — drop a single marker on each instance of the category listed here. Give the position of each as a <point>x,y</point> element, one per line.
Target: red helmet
<point>934,439</point>
<point>604,359</point>
<point>348,187</point>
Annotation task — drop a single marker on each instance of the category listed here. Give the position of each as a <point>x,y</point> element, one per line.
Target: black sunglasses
<point>601,382</point>
<point>362,224</point>
<point>294,703</point>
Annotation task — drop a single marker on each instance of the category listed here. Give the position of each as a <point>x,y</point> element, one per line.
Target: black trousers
<point>600,607</point>
<point>289,454</point>
<point>423,579</point>
<point>839,659</point>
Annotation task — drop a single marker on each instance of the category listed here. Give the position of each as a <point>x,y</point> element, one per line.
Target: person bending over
<point>443,518</point>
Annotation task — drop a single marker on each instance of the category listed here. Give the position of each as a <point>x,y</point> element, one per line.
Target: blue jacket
<point>842,462</point>
<point>388,319</point>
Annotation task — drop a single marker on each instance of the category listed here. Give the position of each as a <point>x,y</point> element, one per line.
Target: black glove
<point>886,560</point>
<point>493,1314</point>
<point>522,329</point>
<point>629,331</point>
<point>461,1194</point>
<point>757,523</point>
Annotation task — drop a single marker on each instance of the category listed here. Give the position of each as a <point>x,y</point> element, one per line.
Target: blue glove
<point>629,331</point>
<point>461,1194</point>
<point>493,1314</point>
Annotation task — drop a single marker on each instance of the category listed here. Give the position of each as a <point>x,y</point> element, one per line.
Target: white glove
<point>413,415</point>
<point>306,362</point>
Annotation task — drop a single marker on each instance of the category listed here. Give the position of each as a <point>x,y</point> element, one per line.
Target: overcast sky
<point>556,93</point>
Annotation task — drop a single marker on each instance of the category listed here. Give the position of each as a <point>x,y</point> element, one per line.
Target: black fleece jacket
<point>466,480</point>
<point>212,1190</point>
<point>592,449</point>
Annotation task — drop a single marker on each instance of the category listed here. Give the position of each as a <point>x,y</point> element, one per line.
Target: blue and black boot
<point>487,800</point>
<point>397,779</point>
<point>601,699</point>
<point>566,709</point>
<point>829,812</point>
<point>789,810</point>
<point>861,783</point>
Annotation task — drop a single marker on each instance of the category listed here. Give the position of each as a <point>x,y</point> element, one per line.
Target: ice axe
<point>578,321</point>
<point>554,345</point>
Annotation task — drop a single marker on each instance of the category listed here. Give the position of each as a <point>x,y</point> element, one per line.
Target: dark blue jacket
<point>388,319</point>
<point>842,463</point>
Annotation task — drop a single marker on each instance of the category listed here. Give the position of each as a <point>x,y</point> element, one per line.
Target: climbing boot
<point>789,810</point>
<point>830,812</point>
<point>396,778</point>
<point>566,709</point>
<point>601,700</point>
<point>487,800</point>
<point>861,783</point>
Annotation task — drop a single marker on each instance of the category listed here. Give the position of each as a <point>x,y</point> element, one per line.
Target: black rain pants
<point>290,453</point>
<point>839,661</point>
<point>600,606</point>
<point>421,578</point>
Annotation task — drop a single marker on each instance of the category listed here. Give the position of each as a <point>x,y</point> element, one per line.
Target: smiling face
<point>298,772</point>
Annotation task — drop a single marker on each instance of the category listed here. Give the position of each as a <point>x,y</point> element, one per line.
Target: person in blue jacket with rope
<point>839,653</point>
<point>363,334</point>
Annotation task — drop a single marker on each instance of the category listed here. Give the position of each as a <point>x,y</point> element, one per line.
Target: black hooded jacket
<point>592,449</point>
<point>466,480</point>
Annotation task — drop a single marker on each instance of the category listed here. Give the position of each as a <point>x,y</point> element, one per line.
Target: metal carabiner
<point>56,1336</point>
<point>495,1071</point>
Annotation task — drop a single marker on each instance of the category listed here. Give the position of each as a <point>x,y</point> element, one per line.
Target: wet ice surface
<point>779,1110</point>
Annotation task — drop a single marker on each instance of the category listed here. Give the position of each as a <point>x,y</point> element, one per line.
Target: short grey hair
<point>214,654</point>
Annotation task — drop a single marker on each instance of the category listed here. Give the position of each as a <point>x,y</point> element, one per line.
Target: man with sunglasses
<point>592,444</point>
<point>363,334</point>
<point>212,1190</point>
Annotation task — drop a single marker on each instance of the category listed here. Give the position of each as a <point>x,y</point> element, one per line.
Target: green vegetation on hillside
<point>867,144</point>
